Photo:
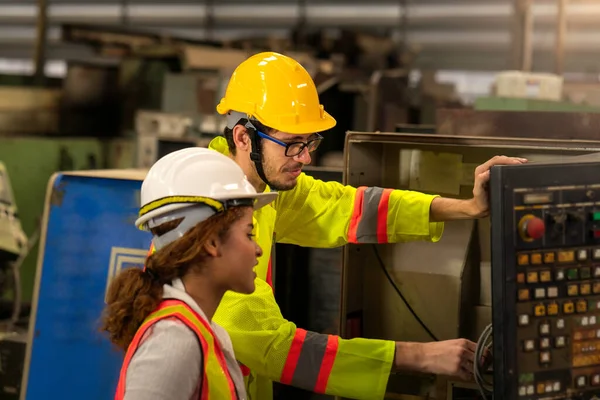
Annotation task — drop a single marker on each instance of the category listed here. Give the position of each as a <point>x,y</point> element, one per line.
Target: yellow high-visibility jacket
<point>318,214</point>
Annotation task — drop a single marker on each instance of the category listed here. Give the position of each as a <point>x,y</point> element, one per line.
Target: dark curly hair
<point>134,294</point>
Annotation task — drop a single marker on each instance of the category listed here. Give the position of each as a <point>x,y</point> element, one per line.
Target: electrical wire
<point>484,345</point>
<point>387,274</point>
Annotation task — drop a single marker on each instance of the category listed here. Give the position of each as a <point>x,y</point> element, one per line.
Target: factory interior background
<point>116,84</point>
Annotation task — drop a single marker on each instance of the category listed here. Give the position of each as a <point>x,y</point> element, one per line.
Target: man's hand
<point>450,357</point>
<point>480,203</point>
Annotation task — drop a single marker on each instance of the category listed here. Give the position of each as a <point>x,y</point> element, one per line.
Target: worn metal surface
<point>541,125</point>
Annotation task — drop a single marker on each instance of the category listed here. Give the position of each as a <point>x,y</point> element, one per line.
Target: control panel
<point>545,222</point>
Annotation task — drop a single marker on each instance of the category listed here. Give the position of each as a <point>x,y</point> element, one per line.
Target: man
<point>273,123</point>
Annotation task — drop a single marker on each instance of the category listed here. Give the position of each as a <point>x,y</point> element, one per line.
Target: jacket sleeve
<point>273,347</point>
<point>329,214</point>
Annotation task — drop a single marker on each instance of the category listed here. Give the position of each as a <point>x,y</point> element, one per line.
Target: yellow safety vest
<point>216,380</point>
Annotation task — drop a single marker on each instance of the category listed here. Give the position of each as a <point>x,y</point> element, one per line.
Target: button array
<point>540,388</point>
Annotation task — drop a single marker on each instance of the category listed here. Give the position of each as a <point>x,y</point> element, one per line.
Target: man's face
<point>280,170</point>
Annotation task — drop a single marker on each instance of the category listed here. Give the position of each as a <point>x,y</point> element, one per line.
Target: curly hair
<point>134,294</point>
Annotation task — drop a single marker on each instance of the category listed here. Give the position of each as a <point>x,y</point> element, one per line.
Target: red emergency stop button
<point>531,228</point>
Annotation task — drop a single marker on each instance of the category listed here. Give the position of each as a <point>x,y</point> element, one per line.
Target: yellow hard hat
<point>278,92</point>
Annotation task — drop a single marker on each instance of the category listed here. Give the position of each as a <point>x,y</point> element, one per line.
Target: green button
<point>572,274</point>
<point>525,378</point>
<point>596,215</point>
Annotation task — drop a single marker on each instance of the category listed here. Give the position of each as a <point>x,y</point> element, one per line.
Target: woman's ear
<point>213,247</point>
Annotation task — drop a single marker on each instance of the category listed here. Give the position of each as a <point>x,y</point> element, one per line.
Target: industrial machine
<point>88,235</point>
<point>423,291</point>
<point>546,280</point>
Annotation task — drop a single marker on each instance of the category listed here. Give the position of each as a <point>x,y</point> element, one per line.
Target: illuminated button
<point>549,257</point>
<point>552,292</point>
<point>529,345</point>
<point>523,259</point>
<point>524,320</point>
<point>544,328</point>
<point>545,343</point>
<point>540,293</point>
<point>595,215</point>
<point>577,336</point>
<point>581,306</point>
<point>560,275</point>
<point>582,254</point>
<point>585,321</point>
<point>596,287</point>
<point>549,387</point>
<point>559,342</point>
<point>596,254</point>
<point>545,276</point>
<point>556,386</point>
<point>536,258</point>
<point>545,357</point>
<point>532,277</point>
<point>595,381</point>
<point>552,309</point>
<point>573,290</point>
<point>597,271</point>
<point>566,256</point>
<point>585,273</point>
<point>585,289</point>
<point>581,381</point>
<point>572,274</point>
<point>522,391</point>
<point>530,390</point>
<point>541,387</point>
<point>598,333</point>
<point>539,310</point>
<point>593,320</point>
<point>523,294</point>
<point>521,277</point>
<point>568,307</point>
<point>560,324</point>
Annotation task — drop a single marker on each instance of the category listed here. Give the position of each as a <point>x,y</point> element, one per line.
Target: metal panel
<point>74,266</point>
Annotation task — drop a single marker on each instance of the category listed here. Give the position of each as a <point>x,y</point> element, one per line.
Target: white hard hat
<point>191,177</point>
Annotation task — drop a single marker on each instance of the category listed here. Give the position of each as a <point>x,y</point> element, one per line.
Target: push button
<point>582,255</point>
<point>568,307</point>
<point>521,277</point>
<point>572,274</point>
<point>556,386</point>
<point>545,357</point>
<point>545,276</point>
<point>596,254</point>
<point>585,273</point>
<point>581,381</point>
<point>522,391</point>
<point>529,345</point>
<point>536,258</point>
<point>544,328</point>
<point>540,310</point>
<point>523,259</point>
<point>552,292</point>
<point>545,343</point>
<point>540,293</point>
<point>573,290</point>
<point>541,388</point>
<point>585,289</point>
<point>523,320</point>
<point>560,275</point>
<point>597,271</point>
<point>559,342</point>
<point>560,323</point>
<point>549,257</point>
<point>581,306</point>
<point>532,277</point>
<point>595,381</point>
<point>566,256</point>
<point>552,309</point>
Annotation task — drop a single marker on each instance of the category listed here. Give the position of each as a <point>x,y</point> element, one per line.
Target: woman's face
<point>239,255</point>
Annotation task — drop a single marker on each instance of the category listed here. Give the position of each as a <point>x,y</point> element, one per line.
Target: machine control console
<point>546,281</point>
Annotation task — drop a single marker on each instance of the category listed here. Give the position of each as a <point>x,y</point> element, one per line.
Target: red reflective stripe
<point>327,363</point>
<point>292,358</point>
<point>245,370</point>
<point>270,274</point>
<point>356,214</point>
<point>382,216</point>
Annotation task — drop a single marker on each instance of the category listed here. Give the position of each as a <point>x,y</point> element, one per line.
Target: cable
<point>484,345</point>
<point>385,271</point>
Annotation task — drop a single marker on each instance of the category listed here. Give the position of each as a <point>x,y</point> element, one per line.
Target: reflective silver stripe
<point>309,362</point>
<point>367,226</point>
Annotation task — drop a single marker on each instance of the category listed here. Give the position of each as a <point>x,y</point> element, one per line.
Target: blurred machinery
<point>421,291</point>
<point>546,287</point>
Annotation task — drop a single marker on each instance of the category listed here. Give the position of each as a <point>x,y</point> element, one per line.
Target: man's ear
<point>241,138</point>
<point>213,247</point>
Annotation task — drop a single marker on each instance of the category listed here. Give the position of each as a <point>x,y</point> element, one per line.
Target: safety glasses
<point>295,148</point>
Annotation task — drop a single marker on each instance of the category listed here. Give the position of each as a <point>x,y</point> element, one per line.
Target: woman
<point>198,206</point>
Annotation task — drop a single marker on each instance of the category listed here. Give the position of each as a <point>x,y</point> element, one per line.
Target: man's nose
<point>304,156</point>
